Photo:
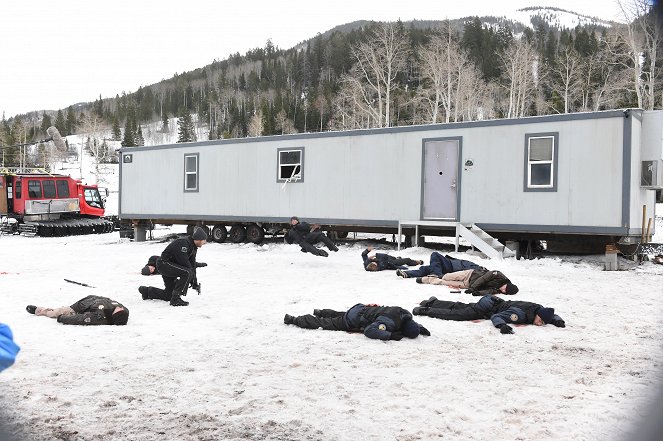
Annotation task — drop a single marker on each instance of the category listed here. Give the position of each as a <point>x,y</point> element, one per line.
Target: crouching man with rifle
<point>177,266</point>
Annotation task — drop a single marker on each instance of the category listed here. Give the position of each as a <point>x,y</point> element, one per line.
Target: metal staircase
<point>483,241</point>
<point>477,238</point>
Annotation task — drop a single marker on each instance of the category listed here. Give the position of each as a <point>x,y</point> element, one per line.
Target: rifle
<point>79,283</point>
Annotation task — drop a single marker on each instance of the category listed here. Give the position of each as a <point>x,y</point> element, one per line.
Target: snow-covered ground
<point>226,367</point>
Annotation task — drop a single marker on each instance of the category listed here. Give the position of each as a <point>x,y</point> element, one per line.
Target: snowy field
<point>227,368</point>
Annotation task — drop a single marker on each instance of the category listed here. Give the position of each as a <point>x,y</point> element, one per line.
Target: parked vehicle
<point>44,204</point>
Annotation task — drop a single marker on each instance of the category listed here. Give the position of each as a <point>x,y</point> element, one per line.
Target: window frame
<point>280,179</point>
<point>60,184</point>
<point>195,173</point>
<point>30,187</point>
<point>552,187</point>
<point>52,190</point>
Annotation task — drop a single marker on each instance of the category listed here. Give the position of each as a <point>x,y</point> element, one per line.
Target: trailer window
<point>191,172</point>
<point>17,188</point>
<point>49,189</point>
<point>63,188</point>
<point>541,162</point>
<point>290,165</point>
<point>34,189</point>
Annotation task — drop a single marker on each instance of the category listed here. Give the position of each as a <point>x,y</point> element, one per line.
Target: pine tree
<point>60,123</point>
<point>164,122</point>
<point>117,132</point>
<point>129,139</point>
<point>140,141</point>
<point>45,123</point>
<point>185,129</point>
<point>71,121</point>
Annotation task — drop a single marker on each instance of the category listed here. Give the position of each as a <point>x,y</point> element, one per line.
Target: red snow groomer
<point>44,204</point>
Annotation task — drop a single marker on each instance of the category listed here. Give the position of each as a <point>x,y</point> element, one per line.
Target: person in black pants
<point>381,261</point>
<point>499,311</point>
<point>90,310</point>
<point>306,236</point>
<point>439,266</point>
<point>377,322</point>
<point>177,266</point>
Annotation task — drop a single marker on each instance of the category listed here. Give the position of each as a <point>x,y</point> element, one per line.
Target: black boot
<point>288,319</point>
<point>317,313</point>
<point>428,303</point>
<point>31,309</point>
<point>144,292</point>
<point>420,310</point>
<point>176,300</point>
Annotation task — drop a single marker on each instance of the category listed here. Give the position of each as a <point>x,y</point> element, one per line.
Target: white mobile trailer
<point>551,177</point>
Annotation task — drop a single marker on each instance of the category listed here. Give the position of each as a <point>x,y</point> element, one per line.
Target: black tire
<point>255,233</point>
<point>189,229</point>
<point>342,234</point>
<point>219,234</point>
<point>237,234</point>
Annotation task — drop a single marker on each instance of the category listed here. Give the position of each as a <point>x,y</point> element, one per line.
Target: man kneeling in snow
<point>378,322</point>
<point>90,310</point>
<point>499,311</point>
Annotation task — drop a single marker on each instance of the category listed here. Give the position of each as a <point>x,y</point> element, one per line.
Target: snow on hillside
<point>556,18</point>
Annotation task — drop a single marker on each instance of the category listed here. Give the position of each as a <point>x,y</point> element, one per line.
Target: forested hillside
<point>368,74</point>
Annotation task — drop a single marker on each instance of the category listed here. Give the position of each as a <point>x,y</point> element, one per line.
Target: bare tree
<point>255,124</point>
<point>93,127</point>
<point>521,77</point>
<point>284,124</point>
<point>641,35</point>
<point>451,82</point>
<point>369,85</point>
<point>565,76</point>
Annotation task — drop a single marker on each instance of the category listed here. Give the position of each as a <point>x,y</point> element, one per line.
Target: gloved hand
<point>469,291</point>
<point>194,283</point>
<point>200,264</point>
<point>424,331</point>
<point>559,323</point>
<point>396,336</point>
<point>506,329</point>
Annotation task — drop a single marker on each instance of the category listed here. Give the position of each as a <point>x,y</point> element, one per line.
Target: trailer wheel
<point>189,230</point>
<point>219,233</point>
<point>255,233</point>
<point>237,234</point>
<point>342,234</point>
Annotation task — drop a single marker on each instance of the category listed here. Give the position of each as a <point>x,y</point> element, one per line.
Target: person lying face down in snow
<point>381,261</point>
<point>501,312</point>
<point>90,310</point>
<point>439,266</point>
<point>479,282</point>
<point>377,322</point>
<point>306,236</point>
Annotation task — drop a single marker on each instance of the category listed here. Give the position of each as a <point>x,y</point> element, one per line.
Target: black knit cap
<point>120,317</point>
<point>511,288</point>
<point>199,234</point>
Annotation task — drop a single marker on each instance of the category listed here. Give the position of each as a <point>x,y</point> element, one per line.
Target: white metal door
<point>440,180</point>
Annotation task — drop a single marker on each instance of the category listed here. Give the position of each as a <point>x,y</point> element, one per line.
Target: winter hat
<point>145,271</point>
<point>120,317</point>
<point>546,314</point>
<point>511,288</point>
<point>410,329</point>
<point>199,234</point>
